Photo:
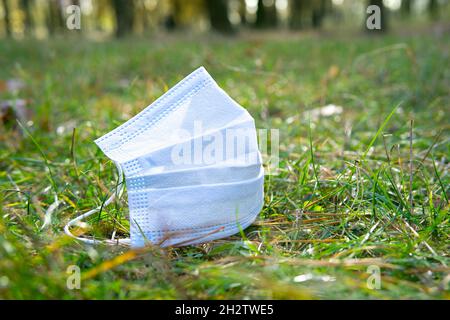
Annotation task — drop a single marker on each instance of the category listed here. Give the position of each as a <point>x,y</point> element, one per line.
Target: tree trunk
<point>433,9</point>
<point>218,16</point>
<point>28,23</point>
<point>7,18</point>
<point>260,15</point>
<point>55,19</point>
<point>266,16</point>
<point>405,8</point>
<point>171,21</point>
<point>124,12</point>
<point>297,8</point>
<point>243,12</point>
<point>318,13</point>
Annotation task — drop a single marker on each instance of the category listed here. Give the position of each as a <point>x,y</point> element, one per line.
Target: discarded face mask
<point>192,167</point>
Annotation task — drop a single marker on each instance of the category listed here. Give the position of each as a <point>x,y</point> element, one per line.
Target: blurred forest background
<point>100,18</point>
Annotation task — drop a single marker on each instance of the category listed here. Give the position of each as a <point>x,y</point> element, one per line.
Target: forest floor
<point>359,208</point>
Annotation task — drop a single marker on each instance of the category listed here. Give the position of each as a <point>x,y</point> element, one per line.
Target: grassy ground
<point>345,203</point>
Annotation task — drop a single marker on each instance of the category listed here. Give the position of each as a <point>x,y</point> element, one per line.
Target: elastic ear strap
<point>118,192</point>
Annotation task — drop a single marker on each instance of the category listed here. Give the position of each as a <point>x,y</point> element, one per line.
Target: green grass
<point>340,204</point>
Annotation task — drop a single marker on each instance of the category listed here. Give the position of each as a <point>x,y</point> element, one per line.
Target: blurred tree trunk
<point>243,12</point>
<point>319,11</point>
<point>260,15</point>
<point>272,15</point>
<point>297,8</point>
<point>28,22</point>
<point>433,9</point>
<point>7,18</point>
<point>124,12</point>
<point>218,15</point>
<point>171,21</point>
<point>140,16</point>
<point>266,16</point>
<point>101,8</point>
<point>383,14</point>
<point>405,8</point>
<point>55,19</point>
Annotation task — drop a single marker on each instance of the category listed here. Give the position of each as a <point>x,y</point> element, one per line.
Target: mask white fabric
<point>220,173</point>
<point>197,151</point>
<point>169,216</point>
<point>188,182</point>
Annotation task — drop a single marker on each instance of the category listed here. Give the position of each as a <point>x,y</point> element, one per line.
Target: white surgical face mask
<point>234,144</point>
<point>192,166</point>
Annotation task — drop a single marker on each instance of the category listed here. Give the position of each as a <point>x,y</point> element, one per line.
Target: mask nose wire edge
<point>118,193</point>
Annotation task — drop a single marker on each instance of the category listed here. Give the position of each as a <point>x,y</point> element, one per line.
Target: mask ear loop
<point>118,193</point>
